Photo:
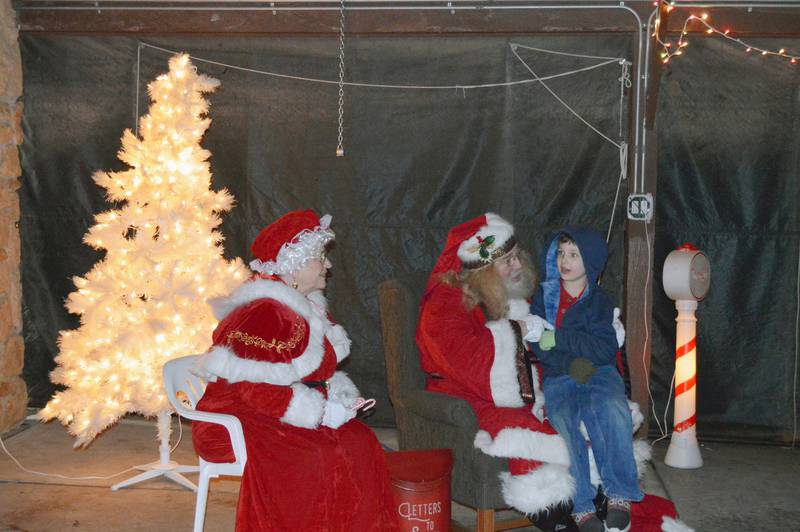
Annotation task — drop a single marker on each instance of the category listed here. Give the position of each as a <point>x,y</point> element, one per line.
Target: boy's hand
<point>581,370</point>
<point>547,341</point>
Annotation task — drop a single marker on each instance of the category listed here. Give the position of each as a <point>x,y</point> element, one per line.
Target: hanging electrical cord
<point>340,137</point>
<point>624,83</point>
<point>796,339</point>
<point>138,66</point>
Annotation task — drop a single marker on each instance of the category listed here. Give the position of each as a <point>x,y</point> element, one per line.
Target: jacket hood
<point>594,253</point>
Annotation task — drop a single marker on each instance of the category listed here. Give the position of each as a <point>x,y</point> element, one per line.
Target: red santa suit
<point>474,358</point>
<point>471,357</point>
<point>273,366</point>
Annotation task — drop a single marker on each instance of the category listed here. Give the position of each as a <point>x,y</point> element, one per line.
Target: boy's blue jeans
<point>603,408</point>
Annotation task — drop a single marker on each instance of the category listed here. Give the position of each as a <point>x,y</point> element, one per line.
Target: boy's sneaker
<point>618,518</point>
<point>588,522</point>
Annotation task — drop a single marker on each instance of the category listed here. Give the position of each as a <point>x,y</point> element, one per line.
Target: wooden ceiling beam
<point>172,19</point>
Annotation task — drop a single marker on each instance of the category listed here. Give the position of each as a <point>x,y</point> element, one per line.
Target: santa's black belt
<point>316,384</point>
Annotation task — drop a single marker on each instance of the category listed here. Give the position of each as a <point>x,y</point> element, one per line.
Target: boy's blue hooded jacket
<point>586,328</point>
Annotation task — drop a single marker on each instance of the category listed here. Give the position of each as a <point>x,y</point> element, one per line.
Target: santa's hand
<point>535,326</point>
<point>538,411</point>
<point>619,330</point>
<point>336,414</point>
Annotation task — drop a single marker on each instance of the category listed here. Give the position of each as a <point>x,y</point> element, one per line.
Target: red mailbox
<point>421,484</point>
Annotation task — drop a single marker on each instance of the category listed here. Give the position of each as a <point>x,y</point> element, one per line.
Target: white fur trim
<point>306,407</point>
<point>497,227</point>
<point>538,393</point>
<point>306,245</point>
<point>335,334</point>
<point>317,297</point>
<point>260,289</point>
<point>503,375</point>
<point>669,524</point>
<point>518,309</point>
<point>236,369</point>
<point>338,338</point>
<point>642,452</point>
<point>516,442</point>
<point>342,389</point>
<point>221,361</point>
<point>636,415</point>
<point>542,488</point>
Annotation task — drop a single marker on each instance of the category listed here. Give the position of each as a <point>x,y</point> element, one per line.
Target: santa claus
<point>473,316</point>
<point>273,365</point>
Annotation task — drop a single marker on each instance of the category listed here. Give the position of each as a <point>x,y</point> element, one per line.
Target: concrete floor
<point>740,488</point>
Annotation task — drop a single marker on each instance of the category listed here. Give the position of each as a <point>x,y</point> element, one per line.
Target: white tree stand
<point>164,467</point>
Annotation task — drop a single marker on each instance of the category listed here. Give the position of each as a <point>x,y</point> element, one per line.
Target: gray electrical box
<point>640,207</point>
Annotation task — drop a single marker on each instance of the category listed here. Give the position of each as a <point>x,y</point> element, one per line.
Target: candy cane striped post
<point>684,452</point>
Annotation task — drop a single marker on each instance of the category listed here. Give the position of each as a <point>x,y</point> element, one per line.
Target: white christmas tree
<point>144,303</point>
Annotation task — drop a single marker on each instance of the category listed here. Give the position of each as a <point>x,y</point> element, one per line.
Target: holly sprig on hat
<point>483,245</point>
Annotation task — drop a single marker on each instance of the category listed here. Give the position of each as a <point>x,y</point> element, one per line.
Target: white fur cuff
<point>306,407</point>
<point>516,442</point>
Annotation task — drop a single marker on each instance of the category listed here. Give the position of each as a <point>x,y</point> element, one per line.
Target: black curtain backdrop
<point>418,162</point>
<point>729,133</point>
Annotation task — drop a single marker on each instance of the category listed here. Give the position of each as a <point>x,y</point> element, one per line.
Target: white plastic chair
<point>184,390</point>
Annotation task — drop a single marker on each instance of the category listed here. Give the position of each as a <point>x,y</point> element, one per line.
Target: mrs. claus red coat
<point>299,475</point>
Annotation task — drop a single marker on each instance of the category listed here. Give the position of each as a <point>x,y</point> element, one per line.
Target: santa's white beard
<point>521,288</point>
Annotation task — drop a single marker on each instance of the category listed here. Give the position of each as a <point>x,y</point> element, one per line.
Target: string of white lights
<point>458,87</point>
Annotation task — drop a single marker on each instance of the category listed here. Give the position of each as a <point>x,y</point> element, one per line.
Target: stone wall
<point>13,392</point>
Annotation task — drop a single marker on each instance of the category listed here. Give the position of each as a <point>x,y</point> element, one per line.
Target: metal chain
<point>340,138</point>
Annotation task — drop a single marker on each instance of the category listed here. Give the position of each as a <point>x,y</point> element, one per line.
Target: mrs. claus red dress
<point>274,358</point>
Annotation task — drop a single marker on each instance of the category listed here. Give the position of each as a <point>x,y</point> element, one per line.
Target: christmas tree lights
<point>145,302</point>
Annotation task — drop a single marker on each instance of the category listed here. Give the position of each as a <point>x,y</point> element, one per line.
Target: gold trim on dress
<point>274,344</point>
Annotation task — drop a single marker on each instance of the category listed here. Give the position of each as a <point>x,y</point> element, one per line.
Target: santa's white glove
<point>619,330</point>
<point>538,411</point>
<point>536,327</point>
<point>336,414</point>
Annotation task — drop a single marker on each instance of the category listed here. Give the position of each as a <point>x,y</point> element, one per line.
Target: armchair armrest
<point>441,408</point>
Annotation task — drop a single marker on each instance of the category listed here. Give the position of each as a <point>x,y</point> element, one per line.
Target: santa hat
<point>285,245</point>
<point>465,236</point>
<point>491,241</point>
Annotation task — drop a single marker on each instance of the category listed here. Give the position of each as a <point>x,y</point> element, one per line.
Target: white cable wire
<point>138,65</point>
<point>796,333</point>
<point>180,434</point>
<point>661,430</point>
<point>570,54</point>
<point>623,172</point>
<point>562,102</point>
<point>90,477</point>
<point>385,85</point>
<point>56,475</point>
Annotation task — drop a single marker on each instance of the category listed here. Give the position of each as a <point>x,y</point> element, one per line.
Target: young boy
<point>581,380</point>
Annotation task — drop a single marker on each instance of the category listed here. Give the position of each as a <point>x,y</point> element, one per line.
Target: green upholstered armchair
<point>428,420</point>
